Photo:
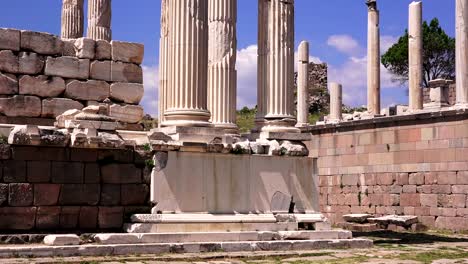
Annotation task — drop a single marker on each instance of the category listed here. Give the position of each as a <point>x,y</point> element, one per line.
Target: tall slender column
<point>303,85</point>
<point>373,59</point>
<point>99,19</point>
<point>188,64</point>
<point>462,52</point>
<point>72,19</point>
<point>163,61</point>
<point>415,56</point>
<point>279,70</point>
<point>222,74</point>
<point>336,102</point>
<point>261,63</point>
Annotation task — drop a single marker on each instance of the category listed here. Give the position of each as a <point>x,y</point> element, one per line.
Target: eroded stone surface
<point>126,113</point>
<point>67,67</point>
<point>130,93</point>
<point>10,39</point>
<point>126,72</point>
<point>8,62</point>
<point>87,90</point>
<point>42,43</point>
<point>100,70</point>
<point>103,50</point>
<point>8,84</point>
<point>43,86</point>
<point>61,240</point>
<point>30,63</point>
<point>20,105</point>
<point>127,52</point>
<point>56,106</point>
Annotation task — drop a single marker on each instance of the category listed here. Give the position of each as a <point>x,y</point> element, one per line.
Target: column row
<point>99,19</point>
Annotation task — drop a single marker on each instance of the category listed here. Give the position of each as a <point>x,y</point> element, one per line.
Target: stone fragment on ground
<point>61,240</point>
<point>357,218</point>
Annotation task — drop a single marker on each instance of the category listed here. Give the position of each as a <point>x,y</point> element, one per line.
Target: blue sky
<point>336,30</point>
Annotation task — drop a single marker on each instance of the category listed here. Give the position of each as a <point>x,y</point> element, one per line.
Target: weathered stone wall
<point>43,188</point>
<point>398,165</point>
<point>41,76</point>
<point>452,95</point>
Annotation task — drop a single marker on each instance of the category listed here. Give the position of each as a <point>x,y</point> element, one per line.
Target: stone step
<point>208,227</point>
<point>219,237</point>
<point>163,248</point>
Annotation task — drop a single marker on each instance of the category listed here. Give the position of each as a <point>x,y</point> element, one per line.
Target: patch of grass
<point>246,119</point>
<point>431,256</point>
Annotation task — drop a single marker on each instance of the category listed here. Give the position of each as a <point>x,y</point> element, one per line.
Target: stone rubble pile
<point>42,75</point>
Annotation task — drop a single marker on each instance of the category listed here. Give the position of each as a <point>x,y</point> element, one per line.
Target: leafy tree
<point>438,55</point>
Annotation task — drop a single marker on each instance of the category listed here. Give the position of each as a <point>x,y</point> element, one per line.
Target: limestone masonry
<point>42,76</point>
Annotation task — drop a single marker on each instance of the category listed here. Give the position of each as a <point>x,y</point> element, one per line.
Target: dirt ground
<point>389,247</point>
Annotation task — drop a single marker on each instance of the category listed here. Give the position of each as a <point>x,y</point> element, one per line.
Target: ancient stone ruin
<point>73,159</point>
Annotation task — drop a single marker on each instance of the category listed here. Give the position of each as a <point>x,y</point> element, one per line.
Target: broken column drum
<point>373,59</point>
<point>276,65</point>
<point>188,64</point>
<point>415,56</point>
<point>222,74</point>
<point>72,19</point>
<point>99,19</point>
<point>163,60</point>
<point>302,85</point>
<point>462,52</point>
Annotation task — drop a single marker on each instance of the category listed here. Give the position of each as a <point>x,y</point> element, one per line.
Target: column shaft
<point>163,61</point>
<point>462,52</point>
<point>72,19</point>
<point>336,102</point>
<point>303,85</point>
<point>262,62</point>
<point>222,52</point>
<point>99,19</point>
<point>373,60</point>
<point>279,70</point>
<point>415,56</point>
<point>188,64</point>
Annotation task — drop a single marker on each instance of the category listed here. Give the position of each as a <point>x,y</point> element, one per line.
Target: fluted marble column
<point>462,52</point>
<point>163,61</point>
<point>99,19</point>
<point>188,64</point>
<point>415,56</point>
<point>261,63</point>
<point>336,102</point>
<point>222,74</point>
<point>279,70</point>
<point>72,19</point>
<point>303,85</point>
<point>373,59</point>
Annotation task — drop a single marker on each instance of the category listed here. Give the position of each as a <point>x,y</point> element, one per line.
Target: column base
<point>229,128</point>
<point>460,106</point>
<point>280,124</point>
<point>187,117</point>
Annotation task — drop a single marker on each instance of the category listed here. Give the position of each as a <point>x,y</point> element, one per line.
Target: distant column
<point>279,74</point>
<point>222,74</point>
<point>373,59</point>
<point>336,102</point>
<point>72,19</point>
<point>188,62</point>
<point>462,52</point>
<point>99,19</point>
<point>303,85</point>
<point>163,61</point>
<point>415,56</point>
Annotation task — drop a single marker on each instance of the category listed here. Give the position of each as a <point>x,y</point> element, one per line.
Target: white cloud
<point>151,83</point>
<point>247,77</point>
<point>352,74</point>
<point>345,44</point>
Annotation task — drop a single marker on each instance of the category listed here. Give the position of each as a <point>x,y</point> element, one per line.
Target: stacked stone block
<point>452,95</point>
<point>404,167</point>
<point>44,188</point>
<point>42,76</point>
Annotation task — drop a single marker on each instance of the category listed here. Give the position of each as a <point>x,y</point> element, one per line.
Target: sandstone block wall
<point>406,167</point>
<point>41,76</point>
<point>43,188</point>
